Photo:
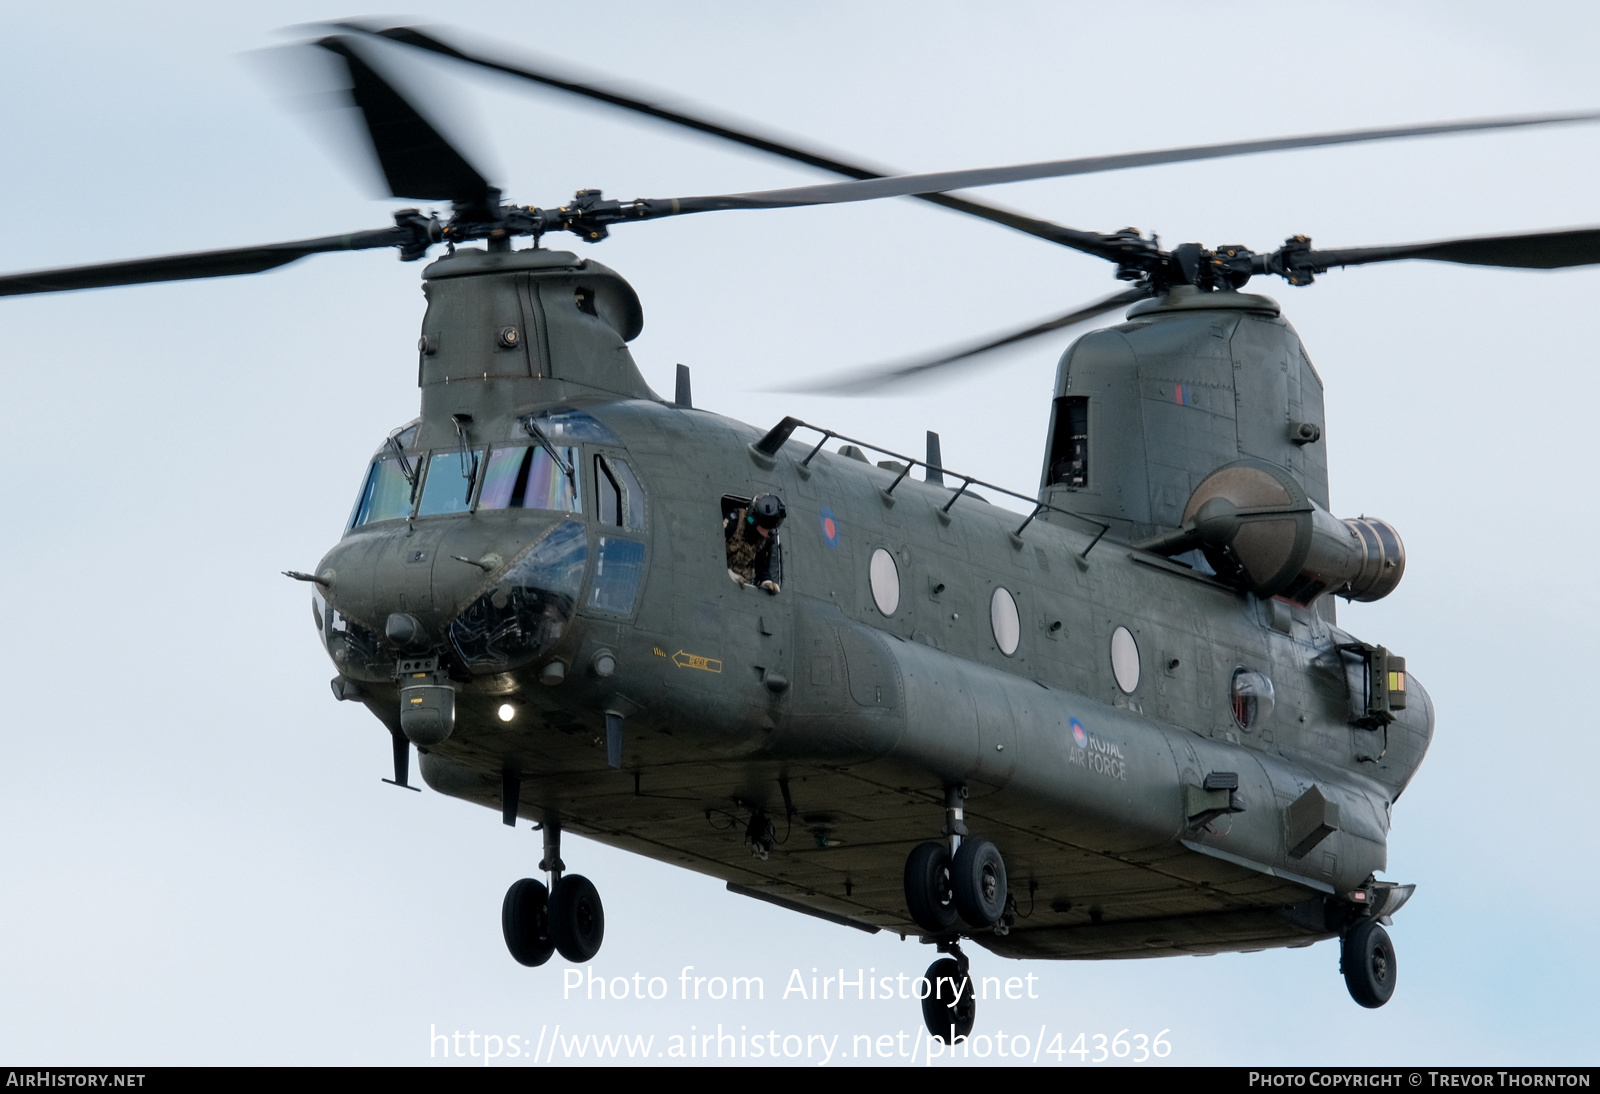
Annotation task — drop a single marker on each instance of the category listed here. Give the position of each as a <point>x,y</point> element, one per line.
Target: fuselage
<point>534,590</point>
<point>728,693</point>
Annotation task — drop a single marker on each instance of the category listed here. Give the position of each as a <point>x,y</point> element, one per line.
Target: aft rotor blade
<point>417,161</point>
<point>186,267</point>
<point>528,70</point>
<point>867,382</point>
<point>937,181</point>
<point>1531,251</point>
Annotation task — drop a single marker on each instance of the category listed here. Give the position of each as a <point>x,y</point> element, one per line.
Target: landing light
<point>506,712</point>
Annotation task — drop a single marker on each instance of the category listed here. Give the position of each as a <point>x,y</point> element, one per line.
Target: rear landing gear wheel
<point>978,883</point>
<point>928,896</point>
<point>949,1011</point>
<point>525,921</point>
<point>1366,957</point>
<point>577,921</point>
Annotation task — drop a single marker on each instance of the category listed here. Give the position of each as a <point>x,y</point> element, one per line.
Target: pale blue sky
<point>201,865</point>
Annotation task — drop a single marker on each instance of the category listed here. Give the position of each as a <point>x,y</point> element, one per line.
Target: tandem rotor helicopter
<point>1122,723</point>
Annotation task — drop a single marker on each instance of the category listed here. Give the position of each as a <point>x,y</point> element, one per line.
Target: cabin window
<point>1125,659</point>
<point>530,478</point>
<point>884,577</point>
<point>448,487</point>
<point>750,534</point>
<point>1004,620</point>
<point>1253,698</point>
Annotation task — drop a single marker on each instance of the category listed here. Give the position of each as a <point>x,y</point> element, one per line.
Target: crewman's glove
<point>771,587</point>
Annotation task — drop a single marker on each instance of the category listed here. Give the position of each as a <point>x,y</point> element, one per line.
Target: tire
<point>978,883</point>
<point>525,921</point>
<point>1366,957</point>
<point>577,920</point>
<point>942,1019</point>
<point>928,896</point>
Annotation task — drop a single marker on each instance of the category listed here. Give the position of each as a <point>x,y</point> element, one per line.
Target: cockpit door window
<point>617,575</point>
<point>620,497</point>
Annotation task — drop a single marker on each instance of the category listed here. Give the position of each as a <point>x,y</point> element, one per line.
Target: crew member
<point>754,554</point>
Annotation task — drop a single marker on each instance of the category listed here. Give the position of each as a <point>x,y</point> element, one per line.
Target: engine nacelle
<point>1257,526</point>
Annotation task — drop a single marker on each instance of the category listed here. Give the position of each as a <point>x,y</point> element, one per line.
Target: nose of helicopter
<point>521,609</point>
<point>490,598</point>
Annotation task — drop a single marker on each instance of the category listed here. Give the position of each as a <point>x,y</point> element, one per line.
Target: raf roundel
<point>830,528</point>
<point>1080,736</point>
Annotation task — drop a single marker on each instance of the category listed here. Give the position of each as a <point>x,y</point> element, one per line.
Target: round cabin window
<point>885,578</point>
<point>1004,620</point>
<point>1125,659</point>
<point>1253,698</point>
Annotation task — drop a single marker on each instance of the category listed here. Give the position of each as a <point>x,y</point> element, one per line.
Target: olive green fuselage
<point>843,724</point>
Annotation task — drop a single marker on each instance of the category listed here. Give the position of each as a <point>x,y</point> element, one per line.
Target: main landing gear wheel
<point>525,921</point>
<point>577,921</point>
<point>978,883</point>
<point>950,1010</point>
<point>1366,957</point>
<point>928,895</point>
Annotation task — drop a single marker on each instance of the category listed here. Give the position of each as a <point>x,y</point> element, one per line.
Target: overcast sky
<point>200,863</point>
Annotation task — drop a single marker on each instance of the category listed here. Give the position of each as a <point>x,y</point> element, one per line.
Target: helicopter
<point>604,300</point>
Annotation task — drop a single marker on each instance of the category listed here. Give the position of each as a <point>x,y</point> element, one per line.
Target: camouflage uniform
<point>752,557</point>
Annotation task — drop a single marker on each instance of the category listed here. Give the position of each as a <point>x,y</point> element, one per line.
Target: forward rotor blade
<point>1531,251</point>
<point>186,267</point>
<point>417,161</point>
<point>525,70</point>
<point>877,183</point>
<point>937,181</point>
<point>864,383</point>
<point>528,70</point>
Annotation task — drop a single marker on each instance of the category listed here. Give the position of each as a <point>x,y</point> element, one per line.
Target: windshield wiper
<point>531,427</point>
<point>405,467</point>
<point>470,473</point>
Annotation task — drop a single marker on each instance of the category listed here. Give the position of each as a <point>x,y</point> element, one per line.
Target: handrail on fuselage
<point>775,438</point>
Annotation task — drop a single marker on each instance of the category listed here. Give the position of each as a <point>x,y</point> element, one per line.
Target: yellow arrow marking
<point>695,661</point>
